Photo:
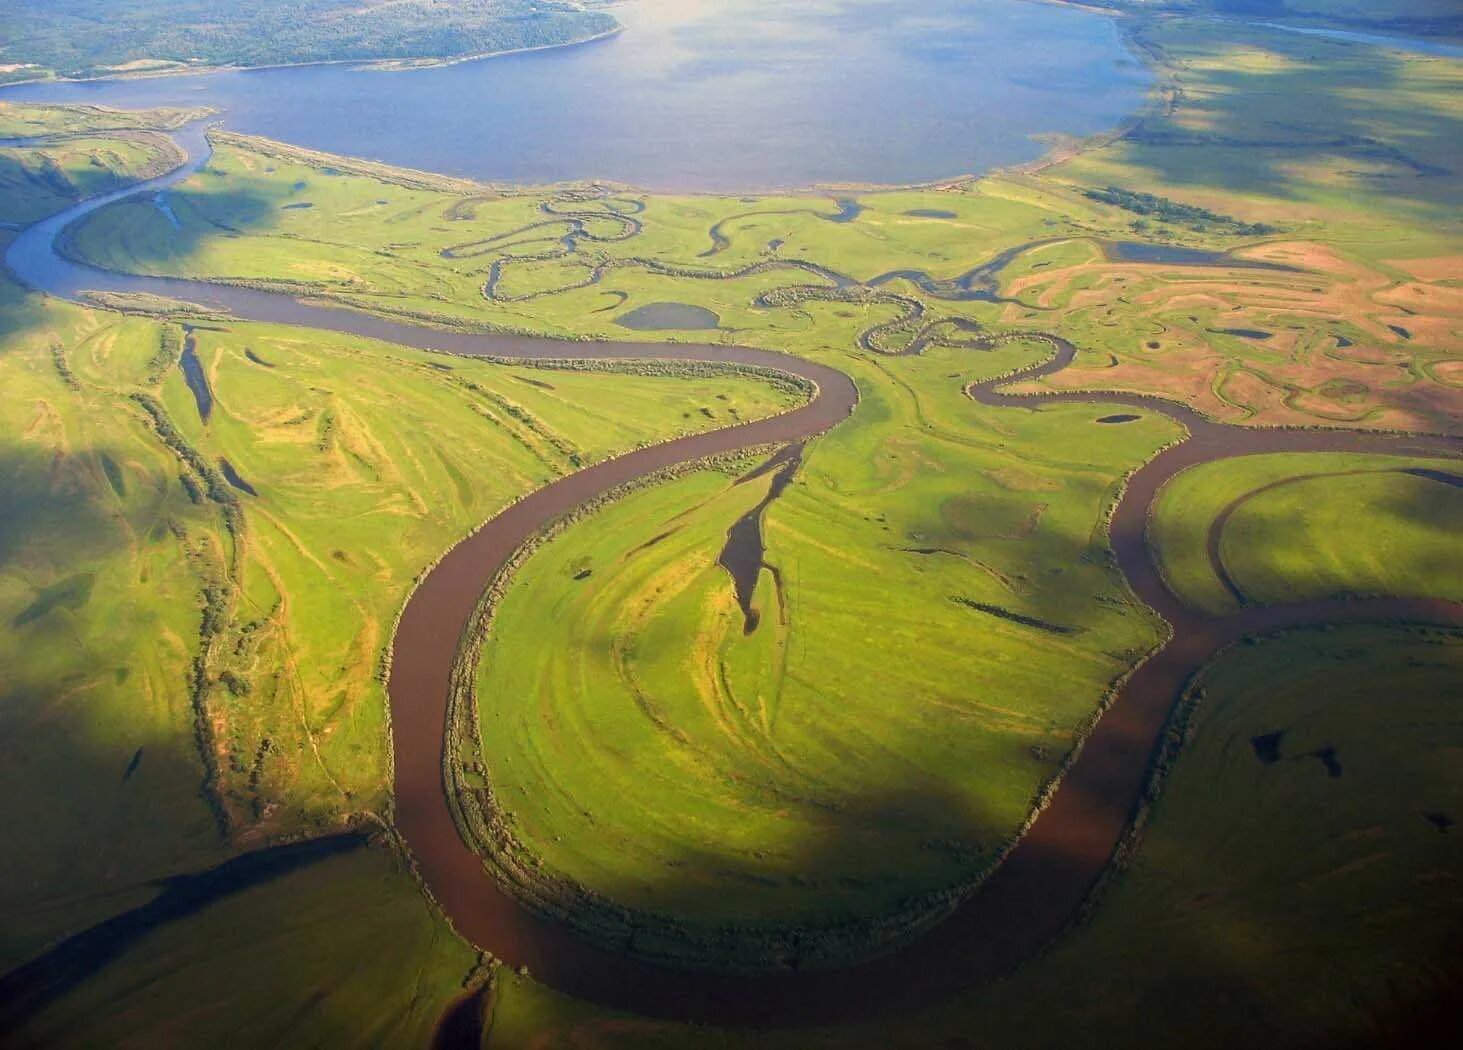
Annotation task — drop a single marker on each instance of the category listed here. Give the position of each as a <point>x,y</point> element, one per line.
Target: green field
<point>1310,526</point>
<point>1425,18</point>
<point>97,150</point>
<point>1270,903</point>
<point>939,621</point>
<point>137,604</point>
<point>192,666</point>
<point>812,772</point>
<point>27,120</point>
<point>297,962</point>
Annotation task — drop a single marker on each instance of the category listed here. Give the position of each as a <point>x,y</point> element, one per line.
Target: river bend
<point>1031,897</point>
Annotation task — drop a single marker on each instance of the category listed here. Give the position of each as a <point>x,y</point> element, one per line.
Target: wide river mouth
<point>705,95</point>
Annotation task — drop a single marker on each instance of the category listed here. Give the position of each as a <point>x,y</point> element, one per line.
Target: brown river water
<point>1033,894</point>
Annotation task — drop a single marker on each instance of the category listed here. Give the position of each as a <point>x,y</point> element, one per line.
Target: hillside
<point>66,37</point>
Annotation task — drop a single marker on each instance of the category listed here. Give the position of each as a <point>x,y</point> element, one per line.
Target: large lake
<point>707,95</point>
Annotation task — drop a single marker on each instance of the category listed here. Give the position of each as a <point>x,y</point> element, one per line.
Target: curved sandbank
<point>1049,873</point>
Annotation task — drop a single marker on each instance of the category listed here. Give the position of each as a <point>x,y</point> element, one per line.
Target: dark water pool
<point>668,317</point>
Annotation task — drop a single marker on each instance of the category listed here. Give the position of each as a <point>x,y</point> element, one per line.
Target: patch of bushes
<point>1166,210</point>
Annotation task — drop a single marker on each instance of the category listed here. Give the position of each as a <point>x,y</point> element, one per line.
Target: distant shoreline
<point>370,65</point>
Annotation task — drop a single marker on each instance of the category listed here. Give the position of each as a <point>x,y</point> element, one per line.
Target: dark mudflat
<point>461,1027</point>
<point>1329,758</point>
<point>1440,476</point>
<point>1045,879</point>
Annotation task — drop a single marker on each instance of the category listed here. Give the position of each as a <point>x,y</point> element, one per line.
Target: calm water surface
<point>707,95</point>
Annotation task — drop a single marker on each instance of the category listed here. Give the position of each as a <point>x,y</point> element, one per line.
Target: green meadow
<point>344,952</point>
<point>193,653</point>
<point>1314,525</point>
<point>1298,897</point>
<point>151,599</point>
<point>937,622</point>
<point>40,180</point>
<point>28,120</point>
<point>1308,133</point>
<point>196,615</point>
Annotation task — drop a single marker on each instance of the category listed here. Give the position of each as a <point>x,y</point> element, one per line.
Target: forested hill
<point>79,38</point>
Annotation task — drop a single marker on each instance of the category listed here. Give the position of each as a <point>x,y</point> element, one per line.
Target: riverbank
<point>170,38</point>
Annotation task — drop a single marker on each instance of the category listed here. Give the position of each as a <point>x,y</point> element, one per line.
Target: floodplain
<point>944,602</point>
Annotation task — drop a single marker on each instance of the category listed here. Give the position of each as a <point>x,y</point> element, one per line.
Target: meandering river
<point>1036,890</point>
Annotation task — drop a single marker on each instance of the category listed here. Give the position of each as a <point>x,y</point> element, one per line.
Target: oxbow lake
<point>708,95</point>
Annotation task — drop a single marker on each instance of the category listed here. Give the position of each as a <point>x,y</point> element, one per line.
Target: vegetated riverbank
<point>391,65</point>
<point>1308,526</point>
<point>1113,760</point>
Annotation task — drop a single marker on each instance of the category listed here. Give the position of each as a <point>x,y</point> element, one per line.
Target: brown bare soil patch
<point>1436,268</point>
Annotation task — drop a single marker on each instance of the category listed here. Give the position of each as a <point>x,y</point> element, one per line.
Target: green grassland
<point>1318,531</point>
<point>1366,154</point>
<point>382,246</point>
<point>816,752</point>
<point>51,157</point>
<point>136,604</point>
<point>56,155</point>
<point>100,600</point>
<point>64,37</point>
<point>36,182</point>
<point>1270,903</point>
<point>29,120</point>
<point>816,770</point>
<point>1310,526</point>
<point>191,667</point>
<point>343,953</point>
